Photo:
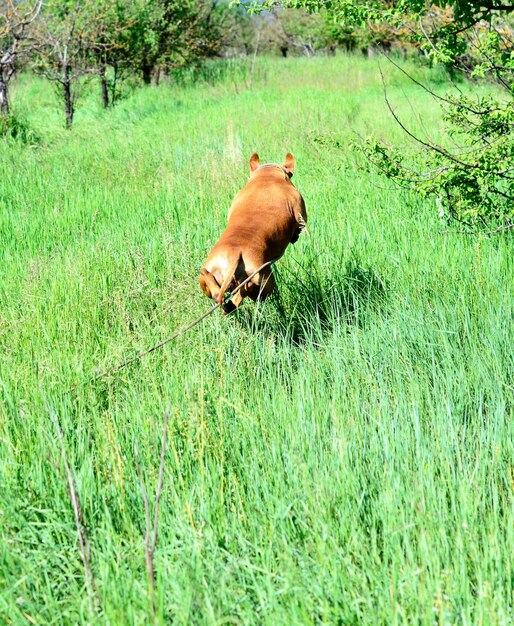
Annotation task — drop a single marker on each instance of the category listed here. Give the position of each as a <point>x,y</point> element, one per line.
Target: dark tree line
<point>68,40</point>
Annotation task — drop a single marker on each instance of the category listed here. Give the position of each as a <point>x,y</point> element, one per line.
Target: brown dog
<point>266,215</point>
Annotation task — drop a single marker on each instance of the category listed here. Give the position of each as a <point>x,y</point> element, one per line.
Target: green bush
<point>14,126</point>
<point>473,181</point>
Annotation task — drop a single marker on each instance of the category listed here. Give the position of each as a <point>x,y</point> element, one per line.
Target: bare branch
<point>436,96</point>
<point>474,232</point>
<point>429,146</point>
<point>85,547</point>
<point>14,42</point>
<point>151,531</point>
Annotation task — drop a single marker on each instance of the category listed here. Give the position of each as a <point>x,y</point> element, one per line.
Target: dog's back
<point>265,216</point>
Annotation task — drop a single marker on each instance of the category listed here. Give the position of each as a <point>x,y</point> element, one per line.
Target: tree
<point>112,54</point>
<point>171,33</point>
<point>68,33</point>
<point>77,38</point>
<point>240,32</point>
<point>298,32</point>
<point>16,20</point>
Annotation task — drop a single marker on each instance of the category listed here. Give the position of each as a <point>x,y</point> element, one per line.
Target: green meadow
<point>340,454</point>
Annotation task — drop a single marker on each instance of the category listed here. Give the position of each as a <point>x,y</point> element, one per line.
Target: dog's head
<point>287,168</point>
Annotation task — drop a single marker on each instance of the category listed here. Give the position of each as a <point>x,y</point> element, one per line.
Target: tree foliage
<point>77,38</point>
<point>171,33</point>
<point>473,177</point>
<point>298,32</point>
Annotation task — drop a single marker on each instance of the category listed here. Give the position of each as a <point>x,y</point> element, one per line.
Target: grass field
<point>343,455</point>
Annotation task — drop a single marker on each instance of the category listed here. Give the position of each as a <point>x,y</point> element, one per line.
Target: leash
<point>175,335</point>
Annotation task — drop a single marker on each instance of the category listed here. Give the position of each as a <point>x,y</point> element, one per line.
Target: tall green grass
<point>341,454</point>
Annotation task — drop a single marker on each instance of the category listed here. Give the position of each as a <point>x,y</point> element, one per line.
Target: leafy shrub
<point>474,182</point>
<point>15,127</point>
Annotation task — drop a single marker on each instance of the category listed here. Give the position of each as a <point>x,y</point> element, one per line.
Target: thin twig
<point>480,232</point>
<point>250,81</point>
<point>151,532</point>
<point>85,547</point>
<point>139,356</point>
<point>459,164</point>
<point>436,96</point>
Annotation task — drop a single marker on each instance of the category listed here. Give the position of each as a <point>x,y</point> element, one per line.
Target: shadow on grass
<point>310,302</point>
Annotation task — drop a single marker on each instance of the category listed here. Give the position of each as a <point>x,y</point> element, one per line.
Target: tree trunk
<point>68,103</point>
<point>4,98</point>
<point>105,90</point>
<point>114,84</point>
<point>283,50</point>
<point>156,77</point>
<point>147,74</point>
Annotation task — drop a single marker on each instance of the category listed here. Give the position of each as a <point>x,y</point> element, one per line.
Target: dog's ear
<point>289,164</point>
<point>254,162</point>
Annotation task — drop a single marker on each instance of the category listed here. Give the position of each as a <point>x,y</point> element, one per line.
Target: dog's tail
<point>233,262</point>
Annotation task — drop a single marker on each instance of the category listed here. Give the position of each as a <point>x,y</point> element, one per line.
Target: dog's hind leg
<point>260,291</point>
<point>209,284</point>
<point>236,301</point>
<point>233,258</point>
